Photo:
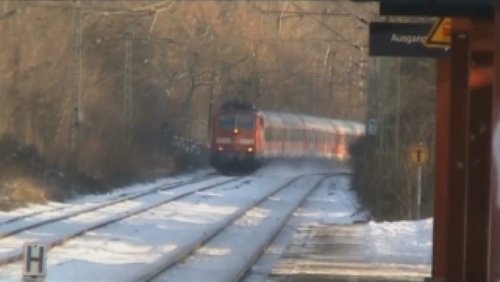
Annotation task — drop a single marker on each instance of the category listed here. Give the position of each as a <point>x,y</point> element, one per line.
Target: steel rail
<point>97,207</point>
<point>119,197</point>
<point>207,236</point>
<point>17,254</point>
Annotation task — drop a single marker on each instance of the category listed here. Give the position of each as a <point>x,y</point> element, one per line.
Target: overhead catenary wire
<point>313,14</point>
<point>150,8</point>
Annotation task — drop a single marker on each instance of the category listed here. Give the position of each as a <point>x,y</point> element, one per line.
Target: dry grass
<point>19,191</point>
<point>26,178</point>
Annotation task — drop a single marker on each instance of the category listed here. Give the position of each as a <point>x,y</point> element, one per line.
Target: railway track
<point>196,262</point>
<point>115,199</point>
<point>171,237</point>
<point>103,213</point>
<point>152,238</point>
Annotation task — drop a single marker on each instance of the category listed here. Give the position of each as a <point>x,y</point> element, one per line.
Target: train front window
<point>245,121</point>
<point>236,121</point>
<point>226,122</point>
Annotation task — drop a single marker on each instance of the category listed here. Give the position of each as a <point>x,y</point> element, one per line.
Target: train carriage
<point>244,137</point>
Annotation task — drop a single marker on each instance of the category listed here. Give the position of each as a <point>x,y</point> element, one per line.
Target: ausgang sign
<point>402,40</point>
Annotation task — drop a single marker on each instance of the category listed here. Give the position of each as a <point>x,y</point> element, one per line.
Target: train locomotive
<point>244,137</point>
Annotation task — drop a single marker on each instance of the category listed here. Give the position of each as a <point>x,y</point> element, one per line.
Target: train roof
<point>290,120</point>
<point>318,123</point>
<point>236,105</point>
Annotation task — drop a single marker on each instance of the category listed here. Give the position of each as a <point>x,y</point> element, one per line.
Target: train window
<point>236,121</point>
<point>348,138</point>
<point>341,139</point>
<point>245,121</point>
<point>269,134</point>
<point>226,121</point>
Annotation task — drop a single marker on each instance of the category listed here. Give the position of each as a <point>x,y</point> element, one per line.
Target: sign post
<point>419,191</point>
<point>34,262</point>
<point>419,155</point>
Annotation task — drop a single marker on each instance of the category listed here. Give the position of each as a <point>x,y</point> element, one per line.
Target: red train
<point>244,137</point>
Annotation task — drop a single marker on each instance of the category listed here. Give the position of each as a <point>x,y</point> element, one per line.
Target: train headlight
<point>250,149</point>
<point>236,130</point>
<point>220,148</point>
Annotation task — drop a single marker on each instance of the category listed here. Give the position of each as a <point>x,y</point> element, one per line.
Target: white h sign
<point>35,258</point>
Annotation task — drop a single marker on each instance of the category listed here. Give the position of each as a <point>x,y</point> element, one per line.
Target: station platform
<point>341,253</point>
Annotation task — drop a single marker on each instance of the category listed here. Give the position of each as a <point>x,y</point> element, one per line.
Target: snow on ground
<point>226,257</point>
<point>126,249</point>
<point>333,202</point>
<point>119,251</point>
<point>53,232</point>
<point>336,204</point>
<point>403,242</point>
<point>298,167</point>
<point>95,199</point>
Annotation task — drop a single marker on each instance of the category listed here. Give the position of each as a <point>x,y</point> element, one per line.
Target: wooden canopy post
<point>458,151</point>
<point>442,155</point>
<point>479,151</point>
<point>494,230</point>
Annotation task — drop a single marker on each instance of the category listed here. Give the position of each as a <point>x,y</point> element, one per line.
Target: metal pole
<point>210,108</point>
<point>419,192</point>
<point>79,112</point>
<point>313,97</point>
<point>75,130</point>
<point>127,87</point>
<point>80,59</point>
<point>398,109</point>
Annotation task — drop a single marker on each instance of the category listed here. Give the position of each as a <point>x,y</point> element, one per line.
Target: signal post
<point>419,156</point>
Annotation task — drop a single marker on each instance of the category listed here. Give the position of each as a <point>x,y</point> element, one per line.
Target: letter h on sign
<point>34,262</point>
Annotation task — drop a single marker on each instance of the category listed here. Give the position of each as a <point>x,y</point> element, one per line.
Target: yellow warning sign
<point>419,154</point>
<point>440,35</point>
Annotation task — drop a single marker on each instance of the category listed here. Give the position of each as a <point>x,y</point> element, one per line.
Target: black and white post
<point>34,262</point>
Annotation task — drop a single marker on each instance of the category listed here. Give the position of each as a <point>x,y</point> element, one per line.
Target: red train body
<point>244,137</point>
